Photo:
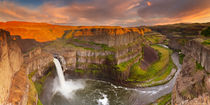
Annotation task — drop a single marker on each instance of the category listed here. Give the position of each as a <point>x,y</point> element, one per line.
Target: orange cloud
<point>149,3</point>
<point>109,12</point>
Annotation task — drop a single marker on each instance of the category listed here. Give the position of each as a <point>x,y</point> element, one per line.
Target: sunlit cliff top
<point>43,32</point>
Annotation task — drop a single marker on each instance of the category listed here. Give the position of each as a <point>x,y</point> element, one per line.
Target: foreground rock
<point>192,85</point>
<point>10,62</point>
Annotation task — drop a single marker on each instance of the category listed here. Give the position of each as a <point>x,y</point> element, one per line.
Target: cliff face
<point>112,36</point>
<point>36,62</point>
<point>199,52</point>
<point>180,29</point>
<point>192,85</point>
<point>43,32</point>
<point>10,62</point>
<point>15,68</point>
<point>102,52</point>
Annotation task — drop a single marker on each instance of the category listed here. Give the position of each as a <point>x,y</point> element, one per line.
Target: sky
<point>106,12</point>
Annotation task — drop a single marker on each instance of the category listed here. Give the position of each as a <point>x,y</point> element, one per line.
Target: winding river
<point>94,92</point>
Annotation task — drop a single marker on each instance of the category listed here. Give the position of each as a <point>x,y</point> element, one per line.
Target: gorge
<point>104,65</point>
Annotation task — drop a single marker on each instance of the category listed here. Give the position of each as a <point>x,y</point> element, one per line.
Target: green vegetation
<point>206,32</point>
<point>103,46</point>
<point>32,74</point>
<point>164,100</point>
<point>35,88</point>
<point>136,71</point>
<point>154,39</point>
<point>157,71</point>
<point>39,102</point>
<point>206,42</point>
<point>32,94</point>
<point>181,58</point>
<point>124,66</point>
<point>182,41</point>
<point>167,71</point>
<point>110,57</point>
<point>39,83</point>
<point>199,66</point>
<point>80,71</point>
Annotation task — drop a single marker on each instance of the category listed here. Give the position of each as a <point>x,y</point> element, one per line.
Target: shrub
<point>199,66</point>
<point>206,32</point>
<point>181,58</point>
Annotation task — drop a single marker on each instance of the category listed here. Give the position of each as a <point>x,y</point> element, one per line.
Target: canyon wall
<point>192,85</point>
<point>10,62</point>
<point>101,53</point>
<point>15,68</point>
<point>97,53</point>
<point>111,36</point>
<point>199,52</point>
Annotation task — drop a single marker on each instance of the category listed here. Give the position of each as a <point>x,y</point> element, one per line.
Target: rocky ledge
<point>10,63</point>
<point>192,85</point>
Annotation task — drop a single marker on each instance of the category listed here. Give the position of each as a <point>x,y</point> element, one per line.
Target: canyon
<point>131,57</point>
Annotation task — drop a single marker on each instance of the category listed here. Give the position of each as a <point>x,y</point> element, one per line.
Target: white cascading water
<point>66,88</point>
<point>59,72</point>
<point>104,100</point>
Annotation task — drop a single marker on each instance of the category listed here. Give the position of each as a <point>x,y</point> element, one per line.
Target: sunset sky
<point>105,12</point>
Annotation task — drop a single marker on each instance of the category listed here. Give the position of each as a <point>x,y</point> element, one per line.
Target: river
<point>94,92</point>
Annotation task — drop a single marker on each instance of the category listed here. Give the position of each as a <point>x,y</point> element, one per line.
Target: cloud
<point>88,12</point>
<point>106,12</point>
<point>173,9</point>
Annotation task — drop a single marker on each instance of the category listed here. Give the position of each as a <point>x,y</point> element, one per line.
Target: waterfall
<point>65,87</point>
<point>59,72</point>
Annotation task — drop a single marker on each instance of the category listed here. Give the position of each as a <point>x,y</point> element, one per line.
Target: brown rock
<point>10,61</point>
<point>150,56</point>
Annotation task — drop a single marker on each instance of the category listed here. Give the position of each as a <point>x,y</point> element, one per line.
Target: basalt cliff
<point>106,53</point>
<point>130,57</point>
<point>10,63</point>
<point>192,85</point>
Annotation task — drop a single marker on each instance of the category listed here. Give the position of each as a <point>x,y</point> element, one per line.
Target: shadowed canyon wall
<point>192,85</point>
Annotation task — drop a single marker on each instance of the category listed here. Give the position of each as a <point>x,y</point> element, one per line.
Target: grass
<point>206,42</point>
<point>158,70</point>
<point>35,89</point>
<point>103,46</point>
<point>154,39</point>
<point>181,58</point>
<point>166,72</point>
<point>124,65</point>
<point>32,74</point>
<point>80,71</point>
<point>39,102</point>
<point>32,94</point>
<point>199,66</point>
<point>39,83</point>
<point>136,71</point>
<point>163,100</point>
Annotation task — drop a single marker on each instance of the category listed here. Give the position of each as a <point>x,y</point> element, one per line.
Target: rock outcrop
<point>192,85</point>
<point>149,56</point>
<point>36,62</point>
<point>111,36</point>
<point>15,68</point>
<point>199,52</point>
<point>98,52</point>
<point>10,62</point>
